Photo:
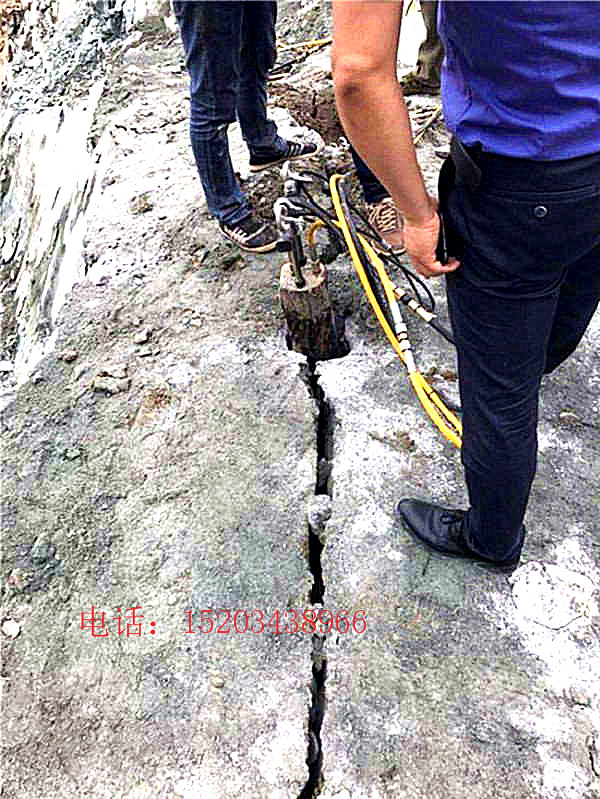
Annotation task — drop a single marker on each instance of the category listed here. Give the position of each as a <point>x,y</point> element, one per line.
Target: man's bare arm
<point>374,115</point>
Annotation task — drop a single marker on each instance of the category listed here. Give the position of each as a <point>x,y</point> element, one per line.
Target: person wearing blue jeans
<point>229,48</point>
<point>520,196</point>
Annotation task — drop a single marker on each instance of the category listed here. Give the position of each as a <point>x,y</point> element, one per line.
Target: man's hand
<point>420,240</point>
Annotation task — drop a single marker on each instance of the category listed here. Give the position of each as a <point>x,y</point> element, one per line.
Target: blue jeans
<point>529,282</point>
<point>373,190</point>
<point>229,48</point>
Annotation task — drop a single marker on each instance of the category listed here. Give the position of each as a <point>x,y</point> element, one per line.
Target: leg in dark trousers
<point>431,51</point>
<point>257,57</point>
<point>574,311</point>
<point>372,189</point>
<point>519,304</point>
<point>425,79</point>
<point>382,214</point>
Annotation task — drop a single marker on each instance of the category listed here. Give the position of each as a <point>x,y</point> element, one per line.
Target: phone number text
<point>287,621</point>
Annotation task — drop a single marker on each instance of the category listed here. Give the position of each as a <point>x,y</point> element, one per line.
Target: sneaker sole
<point>263,248</point>
<point>259,167</point>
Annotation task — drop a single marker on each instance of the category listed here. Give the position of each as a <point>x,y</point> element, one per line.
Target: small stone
<point>118,370</point>
<point>143,336</point>
<point>144,352</point>
<point>110,384</point>
<point>580,696</point>
<point>18,579</point>
<point>141,203</point>
<point>36,378</point>
<point>318,512</point>
<point>11,628</point>
<point>568,418</point>
<point>324,468</point>
<point>69,355</point>
<point>72,454</point>
<point>172,600</point>
<point>6,366</point>
<point>217,681</point>
<point>105,384</point>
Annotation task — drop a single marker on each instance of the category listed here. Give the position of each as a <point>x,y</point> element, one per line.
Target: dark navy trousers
<point>528,238</point>
<point>373,190</point>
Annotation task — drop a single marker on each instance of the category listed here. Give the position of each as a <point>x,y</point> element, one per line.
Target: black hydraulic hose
<point>365,262</point>
<point>329,220</point>
<point>367,232</point>
<point>417,284</point>
<point>443,331</point>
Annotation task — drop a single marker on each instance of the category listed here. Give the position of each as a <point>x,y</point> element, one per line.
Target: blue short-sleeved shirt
<point>523,78</point>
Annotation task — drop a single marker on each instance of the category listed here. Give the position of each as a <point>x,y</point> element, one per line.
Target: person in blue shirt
<point>520,198</point>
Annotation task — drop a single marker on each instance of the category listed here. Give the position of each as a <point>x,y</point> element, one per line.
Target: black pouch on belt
<point>453,244</point>
<point>468,173</point>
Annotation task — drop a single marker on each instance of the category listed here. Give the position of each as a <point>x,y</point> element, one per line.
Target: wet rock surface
<point>168,456</point>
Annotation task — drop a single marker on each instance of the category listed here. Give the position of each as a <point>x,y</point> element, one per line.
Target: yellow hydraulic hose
<point>430,400</point>
<point>303,45</point>
<point>449,426</point>
<point>310,233</point>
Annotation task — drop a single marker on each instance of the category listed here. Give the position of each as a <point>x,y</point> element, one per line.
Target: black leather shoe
<point>441,530</point>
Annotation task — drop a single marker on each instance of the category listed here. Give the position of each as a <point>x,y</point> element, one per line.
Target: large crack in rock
<point>319,511</point>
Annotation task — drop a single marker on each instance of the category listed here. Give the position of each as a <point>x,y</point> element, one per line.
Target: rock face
<point>44,208</point>
<point>181,495</point>
<point>52,86</point>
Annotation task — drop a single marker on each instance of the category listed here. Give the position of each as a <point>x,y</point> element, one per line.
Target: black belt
<point>473,164</point>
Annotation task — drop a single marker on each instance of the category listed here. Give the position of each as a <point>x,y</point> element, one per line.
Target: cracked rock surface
<point>169,456</point>
<point>463,683</point>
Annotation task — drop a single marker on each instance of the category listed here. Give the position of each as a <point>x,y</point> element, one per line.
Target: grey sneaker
<point>293,150</point>
<point>386,221</point>
<point>251,235</point>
